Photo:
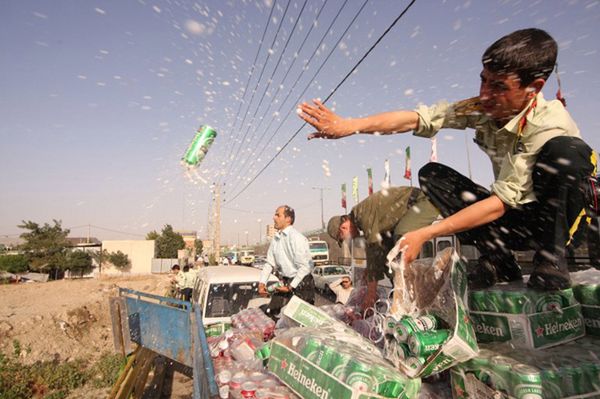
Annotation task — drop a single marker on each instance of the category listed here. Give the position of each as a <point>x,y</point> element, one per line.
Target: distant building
<point>270,231</point>
<point>139,252</point>
<point>189,238</point>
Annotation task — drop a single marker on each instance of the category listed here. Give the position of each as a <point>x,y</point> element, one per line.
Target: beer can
<point>263,352</point>
<point>337,365</point>
<point>273,287</point>
<point>414,362</point>
<point>199,147</point>
<point>327,355</point>
<point>403,350</point>
<point>311,349</point>
<point>409,325</point>
<point>572,380</point>
<point>527,382</point>
<point>485,301</point>
<point>500,377</point>
<point>359,375</point>
<point>388,384</point>
<point>516,303</point>
<point>424,343</point>
<point>552,384</point>
<point>591,376</point>
<point>390,325</point>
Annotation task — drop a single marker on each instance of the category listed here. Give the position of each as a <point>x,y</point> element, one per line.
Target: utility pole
<point>217,224</point>
<point>321,190</point>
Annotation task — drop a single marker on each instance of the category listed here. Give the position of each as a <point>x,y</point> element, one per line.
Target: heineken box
<point>437,290</point>
<point>214,330</point>
<point>586,286</point>
<point>321,363</point>
<point>569,371</point>
<point>524,317</point>
<point>308,315</point>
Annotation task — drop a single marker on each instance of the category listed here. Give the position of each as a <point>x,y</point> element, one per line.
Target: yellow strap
<point>575,225</point>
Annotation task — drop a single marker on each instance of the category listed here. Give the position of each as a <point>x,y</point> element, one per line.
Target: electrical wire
<point>328,97</point>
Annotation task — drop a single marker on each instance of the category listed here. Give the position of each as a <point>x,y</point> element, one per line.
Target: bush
<point>14,263</point>
<point>106,371</point>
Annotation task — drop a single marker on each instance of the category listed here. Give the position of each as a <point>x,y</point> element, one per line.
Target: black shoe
<point>507,269</point>
<point>549,275</point>
<point>483,275</point>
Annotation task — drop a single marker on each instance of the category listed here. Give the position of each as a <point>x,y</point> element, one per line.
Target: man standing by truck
<point>383,218</point>
<point>289,259</point>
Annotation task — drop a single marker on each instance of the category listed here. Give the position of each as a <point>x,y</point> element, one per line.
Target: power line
<point>258,82</point>
<point>250,75</point>
<point>328,97</point>
<point>297,80</point>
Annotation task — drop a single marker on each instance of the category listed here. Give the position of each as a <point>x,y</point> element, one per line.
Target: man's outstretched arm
<point>329,125</point>
<point>475,215</point>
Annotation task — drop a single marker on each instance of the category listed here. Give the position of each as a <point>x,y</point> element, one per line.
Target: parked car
<point>323,275</point>
<point>222,291</point>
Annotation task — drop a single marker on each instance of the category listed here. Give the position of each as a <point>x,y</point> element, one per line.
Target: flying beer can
<point>199,147</point>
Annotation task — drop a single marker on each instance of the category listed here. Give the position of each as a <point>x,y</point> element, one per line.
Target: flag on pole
<point>344,196</point>
<point>355,189</point>
<point>433,157</point>
<point>407,171</point>
<point>370,175</point>
<point>386,179</point>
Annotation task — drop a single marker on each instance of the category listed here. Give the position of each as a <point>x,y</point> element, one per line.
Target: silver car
<point>323,275</point>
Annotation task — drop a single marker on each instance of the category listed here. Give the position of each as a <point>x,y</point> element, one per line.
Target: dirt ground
<point>65,319</point>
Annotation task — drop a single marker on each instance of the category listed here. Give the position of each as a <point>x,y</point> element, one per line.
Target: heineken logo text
<point>592,323</point>
<point>481,328</point>
<point>308,382</point>
<point>555,328</point>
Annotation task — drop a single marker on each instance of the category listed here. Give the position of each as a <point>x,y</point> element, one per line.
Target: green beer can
<point>328,354</point>
<point>199,147</point>
<point>552,383</point>
<point>516,303</point>
<point>501,367</point>
<point>414,362</point>
<point>409,325</point>
<point>359,375</point>
<point>311,349</point>
<point>388,384</point>
<point>337,365</point>
<point>526,382</point>
<point>424,343</point>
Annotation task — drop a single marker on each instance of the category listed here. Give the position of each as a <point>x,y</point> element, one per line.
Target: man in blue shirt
<point>290,260</point>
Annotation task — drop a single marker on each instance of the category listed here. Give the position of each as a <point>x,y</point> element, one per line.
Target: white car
<point>323,275</point>
<point>222,291</point>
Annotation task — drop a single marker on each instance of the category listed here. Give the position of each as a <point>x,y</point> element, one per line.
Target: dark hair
<point>529,53</point>
<point>288,212</point>
<point>175,267</point>
<point>186,268</point>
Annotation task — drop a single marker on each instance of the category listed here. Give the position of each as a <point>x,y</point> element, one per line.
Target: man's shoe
<point>507,269</point>
<point>549,275</point>
<point>483,275</point>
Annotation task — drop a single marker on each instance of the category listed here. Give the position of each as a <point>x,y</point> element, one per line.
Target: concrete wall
<point>140,253</point>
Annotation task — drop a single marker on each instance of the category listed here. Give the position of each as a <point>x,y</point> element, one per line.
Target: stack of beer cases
<point>571,370</point>
<point>586,286</point>
<point>532,345</point>
<point>328,362</point>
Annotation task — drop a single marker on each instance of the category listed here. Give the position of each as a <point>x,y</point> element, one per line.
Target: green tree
<point>14,263</point>
<point>168,243</point>
<point>153,235</point>
<point>119,260</point>
<point>45,246</point>
<point>198,247</point>
<point>100,257</point>
<point>78,262</point>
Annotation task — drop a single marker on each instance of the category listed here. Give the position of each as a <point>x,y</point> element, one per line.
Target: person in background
<point>382,218</point>
<point>289,259</point>
<point>173,288</point>
<point>342,288</point>
<point>186,281</point>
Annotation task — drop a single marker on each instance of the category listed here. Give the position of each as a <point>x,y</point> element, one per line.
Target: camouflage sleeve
<point>376,262</point>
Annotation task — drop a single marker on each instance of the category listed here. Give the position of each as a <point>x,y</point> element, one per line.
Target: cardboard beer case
<point>524,317</point>
<point>586,286</point>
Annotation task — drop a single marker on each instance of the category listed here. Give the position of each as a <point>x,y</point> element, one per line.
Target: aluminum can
<point>388,384</point>
<point>591,376</point>
<point>199,147</point>
<point>424,343</point>
<point>403,351</point>
<point>327,356</point>
<point>500,377</point>
<point>414,362</point>
<point>409,325</point>
<point>337,365</point>
<point>515,303</point>
<point>485,301</point>
<point>552,383</point>
<point>273,287</point>
<point>311,349</point>
<point>527,382</point>
<point>572,380</point>
<point>390,325</point>
<point>359,375</point>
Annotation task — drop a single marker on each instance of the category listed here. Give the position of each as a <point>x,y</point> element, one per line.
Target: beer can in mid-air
<point>424,343</point>
<point>199,147</point>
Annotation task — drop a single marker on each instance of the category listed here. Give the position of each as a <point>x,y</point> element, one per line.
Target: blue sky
<point>100,100</point>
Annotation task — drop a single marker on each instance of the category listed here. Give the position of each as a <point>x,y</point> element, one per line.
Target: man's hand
<point>262,290</point>
<point>328,124</point>
<point>284,289</point>
<point>410,244</point>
